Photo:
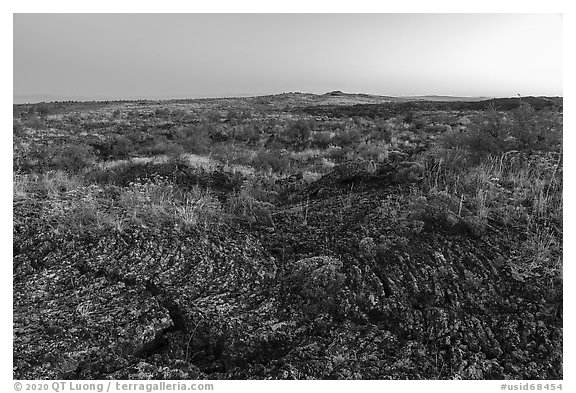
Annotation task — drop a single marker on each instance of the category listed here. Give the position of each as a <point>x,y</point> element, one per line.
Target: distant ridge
<point>434,97</point>
<point>430,97</point>
<point>331,97</point>
<point>335,93</point>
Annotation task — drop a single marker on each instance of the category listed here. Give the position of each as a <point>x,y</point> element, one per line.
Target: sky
<point>161,56</point>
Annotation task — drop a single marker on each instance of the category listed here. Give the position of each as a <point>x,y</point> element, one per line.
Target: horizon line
<point>55,98</point>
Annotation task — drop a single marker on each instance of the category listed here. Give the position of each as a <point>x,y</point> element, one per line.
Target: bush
<point>336,153</point>
<point>247,133</point>
<point>236,117</point>
<point>44,109</point>
<point>230,153</point>
<point>523,129</point>
<point>160,145</point>
<point>347,137</point>
<point>118,147</point>
<point>535,130</point>
<point>121,147</point>
<point>477,140</point>
<point>372,151</point>
<point>210,117</point>
<point>383,130</point>
<point>297,133</point>
<point>17,129</point>
<point>33,158</point>
<point>73,158</point>
<point>199,206</point>
<point>193,139</point>
<point>437,128</point>
<point>161,112</point>
<point>36,123</point>
<point>442,211</point>
<point>253,202</point>
<point>321,140</point>
<point>540,258</point>
<point>271,160</point>
<point>138,138</point>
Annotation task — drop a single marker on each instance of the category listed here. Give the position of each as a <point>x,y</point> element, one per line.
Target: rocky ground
<point>344,280</point>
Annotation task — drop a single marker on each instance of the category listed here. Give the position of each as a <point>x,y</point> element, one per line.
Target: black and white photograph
<point>287,196</point>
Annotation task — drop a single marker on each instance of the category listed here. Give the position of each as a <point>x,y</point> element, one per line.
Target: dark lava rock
<point>354,291</point>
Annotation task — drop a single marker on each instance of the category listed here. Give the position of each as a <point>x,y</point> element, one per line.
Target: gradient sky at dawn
<point>128,56</point>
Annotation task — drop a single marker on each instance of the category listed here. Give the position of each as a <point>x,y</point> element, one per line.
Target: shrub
<point>17,129</point>
<point>31,158</point>
<point>347,137</point>
<point>523,128</point>
<point>210,116</point>
<point>230,153</point>
<point>118,147</point>
<point>252,204</point>
<point>199,206</point>
<point>236,117</point>
<point>262,189</point>
<point>476,141</point>
<point>540,257</point>
<point>73,158</point>
<point>297,133</point>
<point>44,109</point>
<point>246,114</point>
<point>276,161</point>
<point>442,211</point>
<point>121,146</point>
<point>321,140</point>
<point>418,122</point>
<point>372,151</point>
<point>384,130</point>
<point>247,133</point>
<point>36,123</point>
<point>336,153</point>
<point>193,139</point>
<point>535,130</point>
<point>409,117</point>
<point>161,112</point>
<point>160,145</point>
<point>437,128</point>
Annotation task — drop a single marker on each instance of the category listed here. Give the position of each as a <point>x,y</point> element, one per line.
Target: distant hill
<point>398,106</point>
<point>298,99</point>
<point>444,98</point>
<point>432,97</point>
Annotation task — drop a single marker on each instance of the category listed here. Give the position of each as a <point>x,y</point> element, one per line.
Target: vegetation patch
<point>287,237</point>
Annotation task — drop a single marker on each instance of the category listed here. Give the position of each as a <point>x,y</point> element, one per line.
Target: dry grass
<point>71,205</point>
<point>541,256</point>
<point>19,187</point>
<point>533,183</point>
<point>248,205</point>
<point>519,190</point>
<point>199,207</point>
<point>306,154</point>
